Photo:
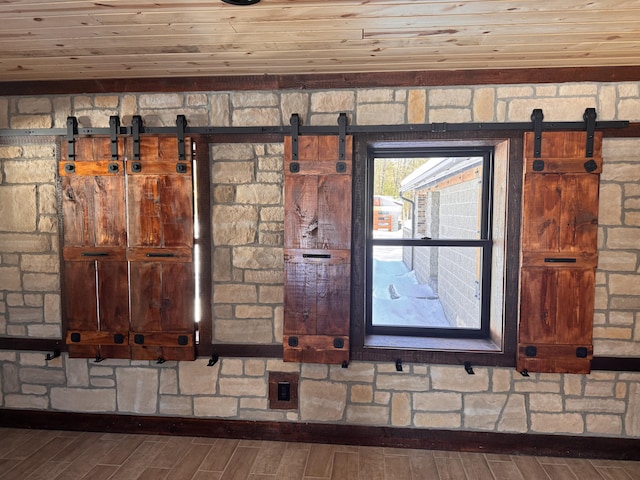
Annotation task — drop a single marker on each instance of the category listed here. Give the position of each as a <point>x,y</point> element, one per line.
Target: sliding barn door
<point>95,277</point>
<point>128,240</point>
<point>559,253</point>
<point>160,212</point>
<point>317,255</point>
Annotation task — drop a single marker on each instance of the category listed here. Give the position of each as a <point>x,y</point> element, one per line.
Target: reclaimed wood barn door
<point>559,253</point>
<point>95,295</point>
<point>160,212</point>
<point>317,250</point>
<point>127,249</point>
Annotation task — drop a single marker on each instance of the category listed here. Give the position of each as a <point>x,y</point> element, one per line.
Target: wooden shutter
<point>128,240</point>
<point>160,213</point>
<point>95,293</point>
<point>559,253</point>
<point>317,250</point>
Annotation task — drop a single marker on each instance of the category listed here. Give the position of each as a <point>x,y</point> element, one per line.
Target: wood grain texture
<point>68,39</point>
<point>559,253</point>
<point>317,243</point>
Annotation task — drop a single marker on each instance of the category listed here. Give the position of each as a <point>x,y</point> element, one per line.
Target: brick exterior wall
<point>247,256</point>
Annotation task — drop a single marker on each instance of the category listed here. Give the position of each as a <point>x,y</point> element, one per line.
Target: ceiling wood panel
<point>75,40</point>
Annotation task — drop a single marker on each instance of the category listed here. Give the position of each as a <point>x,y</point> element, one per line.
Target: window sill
<point>431,343</point>
<point>445,351</point>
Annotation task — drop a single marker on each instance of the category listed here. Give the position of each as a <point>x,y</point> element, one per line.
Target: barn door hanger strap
<point>590,126</point>
<point>341,166</point>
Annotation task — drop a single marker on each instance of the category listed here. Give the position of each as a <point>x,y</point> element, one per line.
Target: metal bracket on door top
<point>114,129</point>
<point>72,130</point>
<point>136,126</point>
<point>536,117</point>
<point>590,122</point>
<point>295,132</point>
<point>181,125</point>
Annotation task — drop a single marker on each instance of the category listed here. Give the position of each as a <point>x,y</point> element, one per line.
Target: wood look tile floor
<point>56,455</point>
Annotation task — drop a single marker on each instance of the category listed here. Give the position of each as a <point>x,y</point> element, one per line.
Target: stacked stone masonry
<point>247,226</point>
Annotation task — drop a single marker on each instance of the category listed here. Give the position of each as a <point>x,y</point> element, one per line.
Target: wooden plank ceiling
<point>75,39</point>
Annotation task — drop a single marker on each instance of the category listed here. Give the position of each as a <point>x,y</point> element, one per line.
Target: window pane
<point>436,287</point>
<point>436,198</point>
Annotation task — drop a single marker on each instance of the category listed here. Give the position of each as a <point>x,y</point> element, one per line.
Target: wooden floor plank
<point>48,470</point>
<point>475,466</point>
<point>139,460</point>
<point>171,452</point>
<point>27,448</point>
<point>345,465</point>
<point>505,470</point>
<point>320,461</point>
<point>36,459</point>
<point>239,467</point>
<point>529,468</point>
<point>190,462</point>
<point>371,464</point>
<point>101,472</point>
<point>450,469</point>
<point>13,439</point>
<point>269,458</point>
<point>153,473</point>
<point>88,459</point>
<point>559,472</point>
<point>293,463</point>
<point>201,475</point>
<point>583,469</point>
<point>77,447</point>
<point>123,449</point>
<point>397,467</point>
<point>220,454</point>
<point>613,473</point>
<point>423,464</point>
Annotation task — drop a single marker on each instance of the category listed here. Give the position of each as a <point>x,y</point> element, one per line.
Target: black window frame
<point>484,242</point>
<point>365,347</point>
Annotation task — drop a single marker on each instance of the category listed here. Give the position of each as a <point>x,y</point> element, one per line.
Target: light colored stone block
<point>610,210</point>
<point>402,382</point>
<point>514,415</point>
<point>595,405</point>
<point>161,100</point>
<point>43,331</point>
<point>18,208</point>
<point>259,194</point>
<point>545,402</point>
<point>176,406</point>
<point>232,152</point>
<point>437,401</point>
<point>417,106</point>
<point>40,263</point>
<point>629,109</point>
<point>168,382</point>
<point>457,380</point>
<point>334,101</point>
<point>254,99</point>
<point>254,368</point>
<point>484,105</point>
<point>357,372</point>
<point>83,400</point>
<point>34,105</point>
<point>137,390</point>
<point>361,394</point>
<point>77,372</point>
<point>555,109</point>
<point>259,116</point>
<point>482,411</point>
<point>322,401</point>
<point>368,415</point>
<point>42,376</point>
<point>514,92</point>
<point>41,282</point>
<point>222,407</point>
<point>36,402</point>
<point>271,294</point>
<point>314,370</point>
<point>235,293</point>
<point>10,278</point>
<point>30,359</point>
<point>234,224</point>
<point>231,366</point>
<point>539,386</point>
<point>232,172</point>
<point>242,386</point>
<point>10,378</point>
<point>244,331</point>
<point>258,258</point>
<point>21,122</point>
<point>30,171</point>
<point>294,102</point>
<point>437,420</point>
<point>34,390</point>
<point>616,261</point>
<point>501,380</point>
<point>400,409</point>
<point>571,423</point>
<point>573,385</point>
<point>196,378</point>
<point>449,115</point>
<point>381,113</point>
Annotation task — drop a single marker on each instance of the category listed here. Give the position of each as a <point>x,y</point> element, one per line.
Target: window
<point>429,246</point>
<point>433,240</point>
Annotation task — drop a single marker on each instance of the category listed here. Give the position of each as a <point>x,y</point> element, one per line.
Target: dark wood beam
<point>324,81</point>
<point>453,440</point>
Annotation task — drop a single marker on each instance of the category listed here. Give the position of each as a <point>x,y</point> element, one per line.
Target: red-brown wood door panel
<point>559,253</point>
<point>95,295</point>
<point>317,250</point>
<point>160,252</point>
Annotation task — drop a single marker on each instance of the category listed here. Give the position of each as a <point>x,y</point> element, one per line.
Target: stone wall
<point>247,282</point>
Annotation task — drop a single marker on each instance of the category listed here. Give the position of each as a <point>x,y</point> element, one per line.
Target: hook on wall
<point>51,356</point>
<point>468,368</point>
<point>398,365</point>
<point>213,360</point>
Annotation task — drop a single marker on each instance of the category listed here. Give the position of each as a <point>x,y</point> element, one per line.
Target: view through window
<point>429,242</point>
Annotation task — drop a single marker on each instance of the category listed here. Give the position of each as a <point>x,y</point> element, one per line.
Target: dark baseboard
<point>453,440</point>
